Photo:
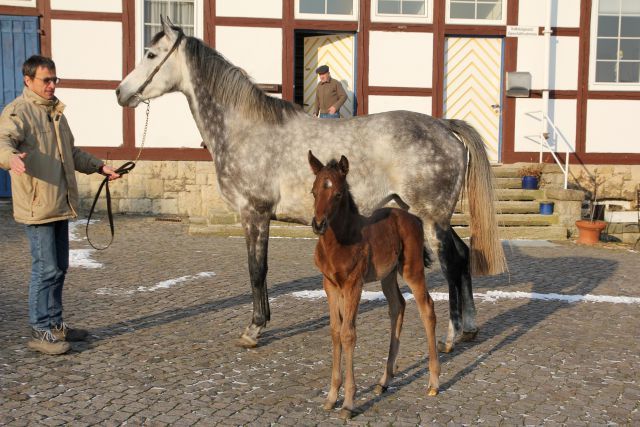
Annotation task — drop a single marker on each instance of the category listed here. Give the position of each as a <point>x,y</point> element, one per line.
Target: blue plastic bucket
<point>546,208</point>
<point>529,183</point>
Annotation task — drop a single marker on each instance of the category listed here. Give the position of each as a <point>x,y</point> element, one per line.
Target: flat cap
<point>322,69</point>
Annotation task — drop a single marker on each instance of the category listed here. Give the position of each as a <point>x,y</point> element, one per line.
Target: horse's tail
<point>487,255</point>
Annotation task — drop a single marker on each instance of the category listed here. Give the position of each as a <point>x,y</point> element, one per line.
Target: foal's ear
<point>316,165</point>
<point>344,165</point>
<point>167,27</point>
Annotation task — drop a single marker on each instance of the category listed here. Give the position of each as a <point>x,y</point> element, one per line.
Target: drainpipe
<point>545,75</point>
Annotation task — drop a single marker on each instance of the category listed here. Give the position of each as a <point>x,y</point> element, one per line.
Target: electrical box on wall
<point>518,84</point>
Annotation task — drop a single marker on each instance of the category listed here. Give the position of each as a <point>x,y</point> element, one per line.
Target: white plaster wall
<point>381,103</point>
<point>528,127</point>
<point>257,50</point>
<point>564,13</point>
<point>400,59</point>
<point>249,8</point>
<point>94,116</point>
<point>25,3</point>
<point>563,64</point>
<point>89,50</point>
<point>114,6</point>
<point>170,123</point>
<point>612,126</point>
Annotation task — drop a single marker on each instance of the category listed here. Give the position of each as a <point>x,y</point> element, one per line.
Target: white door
<point>336,51</point>
<point>472,85</point>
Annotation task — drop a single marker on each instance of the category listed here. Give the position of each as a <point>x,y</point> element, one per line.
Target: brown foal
<point>353,250</point>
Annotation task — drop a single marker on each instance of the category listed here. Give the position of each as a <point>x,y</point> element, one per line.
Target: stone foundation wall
<point>164,188</point>
<point>189,189</point>
<point>613,181</point>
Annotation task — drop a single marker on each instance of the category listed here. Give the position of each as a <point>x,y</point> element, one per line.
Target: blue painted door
<point>19,39</point>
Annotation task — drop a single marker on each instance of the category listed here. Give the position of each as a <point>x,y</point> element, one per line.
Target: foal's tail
<point>487,256</point>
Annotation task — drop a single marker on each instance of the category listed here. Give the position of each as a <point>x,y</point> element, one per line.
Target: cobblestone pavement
<point>163,326</point>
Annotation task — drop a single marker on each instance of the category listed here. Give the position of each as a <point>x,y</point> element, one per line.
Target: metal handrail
<point>544,136</point>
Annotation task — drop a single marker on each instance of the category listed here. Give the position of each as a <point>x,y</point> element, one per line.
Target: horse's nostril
<point>117,91</point>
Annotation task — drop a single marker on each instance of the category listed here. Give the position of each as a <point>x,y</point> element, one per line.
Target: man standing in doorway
<point>330,95</point>
<point>37,146</point>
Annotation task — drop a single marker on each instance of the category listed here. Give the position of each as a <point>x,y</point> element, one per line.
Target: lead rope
<point>122,170</point>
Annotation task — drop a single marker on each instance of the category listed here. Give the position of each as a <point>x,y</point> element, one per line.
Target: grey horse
<point>259,145</point>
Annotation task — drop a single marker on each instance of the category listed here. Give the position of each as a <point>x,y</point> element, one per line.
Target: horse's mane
<point>231,87</point>
<point>351,203</point>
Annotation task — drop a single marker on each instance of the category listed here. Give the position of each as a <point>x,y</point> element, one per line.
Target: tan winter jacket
<point>47,191</point>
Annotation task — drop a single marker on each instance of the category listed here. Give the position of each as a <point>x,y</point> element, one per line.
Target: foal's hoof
<point>432,391</point>
<point>379,389</point>
<point>444,347</point>
<point>328,405</point>
<point>345,414</point>
<point>469,335</point>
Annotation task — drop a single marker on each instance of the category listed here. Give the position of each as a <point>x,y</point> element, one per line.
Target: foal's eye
<point>151,55</point>
<point>338,194</point>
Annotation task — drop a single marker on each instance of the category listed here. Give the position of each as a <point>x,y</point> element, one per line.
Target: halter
<point>138,93</point>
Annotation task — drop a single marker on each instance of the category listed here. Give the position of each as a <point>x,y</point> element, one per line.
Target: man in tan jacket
<point>330,95</point>
<point>37,146</point>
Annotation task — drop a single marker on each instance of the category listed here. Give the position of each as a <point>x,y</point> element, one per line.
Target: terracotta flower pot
<point>589,231</point>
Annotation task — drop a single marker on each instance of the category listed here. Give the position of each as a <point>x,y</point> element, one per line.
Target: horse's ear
<point>316,165</point>
<point>344,165</point>
<point>167,28</point>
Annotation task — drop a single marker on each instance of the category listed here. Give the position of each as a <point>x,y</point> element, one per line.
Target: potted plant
<point>589,229</point>
<point>530,175</point>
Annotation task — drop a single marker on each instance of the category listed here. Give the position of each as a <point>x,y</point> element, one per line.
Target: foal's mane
<point>231,87</point>
<point>351,203</point>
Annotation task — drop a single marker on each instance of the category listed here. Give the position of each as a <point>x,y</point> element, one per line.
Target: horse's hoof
<point>469,335</point>
<point>432,391</point>
<point>345,414</point>
<point>246,341</point>
<point>380,389</point>
<point>328,405</point>
<point>444,347</point>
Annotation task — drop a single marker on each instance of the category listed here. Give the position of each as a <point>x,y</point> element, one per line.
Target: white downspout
<point>545,78</point>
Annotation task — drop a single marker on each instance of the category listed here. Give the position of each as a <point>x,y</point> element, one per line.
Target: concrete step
<point>513,220</point>
<point>514,194</point>
<point>508,182</point>
<point>505,172</point>
<point>508,207</point>
<point>553,232</point>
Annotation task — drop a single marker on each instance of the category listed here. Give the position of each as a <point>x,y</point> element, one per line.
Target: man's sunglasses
<point>47,80</point>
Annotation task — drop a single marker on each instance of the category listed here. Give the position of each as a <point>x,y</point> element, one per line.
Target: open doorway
<point>335,49</point>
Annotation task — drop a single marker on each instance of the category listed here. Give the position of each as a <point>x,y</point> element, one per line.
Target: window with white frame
<point>181,12</point>
<point>326,9</point>
<point>402,7</point>
<point>410,11</point>
<point>617,53</point>
<point>482,11</point>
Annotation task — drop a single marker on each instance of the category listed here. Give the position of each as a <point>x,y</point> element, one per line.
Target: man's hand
<point>332,110</point>
<point>108,171</point>
<point>16,163</point>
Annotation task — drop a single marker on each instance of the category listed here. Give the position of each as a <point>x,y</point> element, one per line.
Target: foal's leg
<point>413,274</point>
<point>335,321</point>
<point>255,222</point>
<point>396,315</point>
<point>351,292</point>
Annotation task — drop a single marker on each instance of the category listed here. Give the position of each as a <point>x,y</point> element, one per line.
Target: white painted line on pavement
<point>490,296</point>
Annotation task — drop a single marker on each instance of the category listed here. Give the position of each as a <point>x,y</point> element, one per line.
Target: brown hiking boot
<point>65,333</point>
<point>44,342</point>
